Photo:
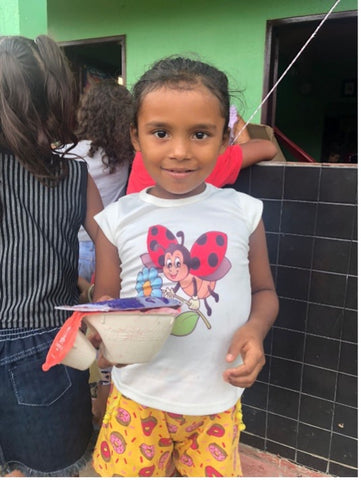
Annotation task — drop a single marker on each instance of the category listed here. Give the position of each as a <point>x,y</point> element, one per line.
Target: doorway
<point>94,59</point>
<point>315,105</point>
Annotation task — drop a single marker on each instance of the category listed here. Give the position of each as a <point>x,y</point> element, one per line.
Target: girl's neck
<point>158,191</point>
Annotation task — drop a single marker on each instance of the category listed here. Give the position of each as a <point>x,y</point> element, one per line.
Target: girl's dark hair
<point>37,104</point>
<point>182,72</point>
<point>104,118</point>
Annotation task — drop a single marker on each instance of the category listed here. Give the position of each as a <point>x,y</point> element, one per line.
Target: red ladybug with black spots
<point>195,271</point>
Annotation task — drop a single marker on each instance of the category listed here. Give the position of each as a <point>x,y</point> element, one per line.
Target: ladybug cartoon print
<point>195,271</point>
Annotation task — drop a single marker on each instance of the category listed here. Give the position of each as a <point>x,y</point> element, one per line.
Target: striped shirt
<point>38,244</point>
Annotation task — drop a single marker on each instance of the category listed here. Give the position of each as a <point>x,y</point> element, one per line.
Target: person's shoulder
<point>5,151</point>
<point>242,206</point>
<point>126,201</point>
<point>79,151</point>
<point>224,191</point>
<point>232,195</point>
<point>227,167</point>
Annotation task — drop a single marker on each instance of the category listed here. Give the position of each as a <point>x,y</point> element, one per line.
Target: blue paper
<point>123,304</point>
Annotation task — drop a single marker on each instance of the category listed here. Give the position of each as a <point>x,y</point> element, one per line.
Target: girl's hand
<point>96,340</point>
<point>83,287</point>
<point>247,343</point>
<point>104,298</point>
<point>104,363</point>
<point>93,336</point>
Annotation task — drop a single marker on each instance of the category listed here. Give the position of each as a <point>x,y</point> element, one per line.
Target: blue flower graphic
<point>149,283</point>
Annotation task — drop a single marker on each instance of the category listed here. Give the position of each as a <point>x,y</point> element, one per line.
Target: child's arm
<point>107,269</point>
<point>94,206</point>
<point>107,280</point>
<point>254,150</point>
<point>257,150</point>
<point>248,339</point>
<point>84,288</point>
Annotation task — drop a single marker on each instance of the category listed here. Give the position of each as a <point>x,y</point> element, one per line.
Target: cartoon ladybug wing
<point>147,261</point>
<point>158,240</point>
<point>208,253</point>
<point>221,272</point>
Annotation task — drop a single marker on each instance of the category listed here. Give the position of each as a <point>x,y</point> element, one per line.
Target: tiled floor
<point>255,463</point>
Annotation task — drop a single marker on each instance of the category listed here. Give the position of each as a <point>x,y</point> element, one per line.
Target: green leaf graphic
<point>184,324</point>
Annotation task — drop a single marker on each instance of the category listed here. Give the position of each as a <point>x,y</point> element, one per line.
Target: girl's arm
<point>107,280</point>
<point>257,150</point>
<point>248,339</point>
<point>107,269</point>
<point>94,206</point>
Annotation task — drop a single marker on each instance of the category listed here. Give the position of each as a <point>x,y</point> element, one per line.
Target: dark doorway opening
<point>93,59</point>
<point>315,105</point>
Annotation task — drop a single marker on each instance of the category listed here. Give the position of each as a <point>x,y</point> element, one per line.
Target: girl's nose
<point>180,149</point>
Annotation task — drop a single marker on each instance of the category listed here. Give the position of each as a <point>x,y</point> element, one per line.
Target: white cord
<point>287,69</point>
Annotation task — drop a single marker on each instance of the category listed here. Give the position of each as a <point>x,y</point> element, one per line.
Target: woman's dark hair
<point>104,118</point>
<point>37,104</point>
<point>182,73</point>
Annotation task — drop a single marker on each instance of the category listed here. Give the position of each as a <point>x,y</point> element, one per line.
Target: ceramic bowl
<point>81,355</point>
<point>132,337</point>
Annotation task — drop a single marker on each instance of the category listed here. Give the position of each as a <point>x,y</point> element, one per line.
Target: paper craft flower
<point>149,283</point>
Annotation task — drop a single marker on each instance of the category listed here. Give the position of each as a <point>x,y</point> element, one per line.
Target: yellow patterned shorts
<point>138,441</point>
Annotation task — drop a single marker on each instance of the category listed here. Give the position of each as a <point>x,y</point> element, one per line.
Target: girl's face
<point>180,135</point>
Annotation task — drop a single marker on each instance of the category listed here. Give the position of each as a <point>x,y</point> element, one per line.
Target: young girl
<point>205,246</point>
<point>45,418</point>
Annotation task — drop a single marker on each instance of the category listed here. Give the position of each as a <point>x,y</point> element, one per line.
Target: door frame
<point>120,39</point>
<point>268,112</point>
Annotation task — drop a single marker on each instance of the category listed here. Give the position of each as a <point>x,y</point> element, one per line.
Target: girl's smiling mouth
<point>178,171</point>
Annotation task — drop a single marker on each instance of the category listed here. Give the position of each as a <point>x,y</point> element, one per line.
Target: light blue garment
<point>86,260</point>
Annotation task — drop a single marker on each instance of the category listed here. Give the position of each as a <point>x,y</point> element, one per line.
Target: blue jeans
<point>45,417</point>
<point>86,266</point>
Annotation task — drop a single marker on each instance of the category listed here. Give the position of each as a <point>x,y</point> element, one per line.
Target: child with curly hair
<point>104,117</point>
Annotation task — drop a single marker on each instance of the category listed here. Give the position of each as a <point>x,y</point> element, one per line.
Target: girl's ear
<point>134,138</point>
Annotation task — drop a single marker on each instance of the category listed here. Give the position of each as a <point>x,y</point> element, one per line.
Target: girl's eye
<point>200,135</point>
<point>160,133</point>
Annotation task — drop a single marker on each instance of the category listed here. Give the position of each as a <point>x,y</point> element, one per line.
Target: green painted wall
<point>228,33</point>
<point>9,17</point>
<point>33,17</point>
<point>23,17</point>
